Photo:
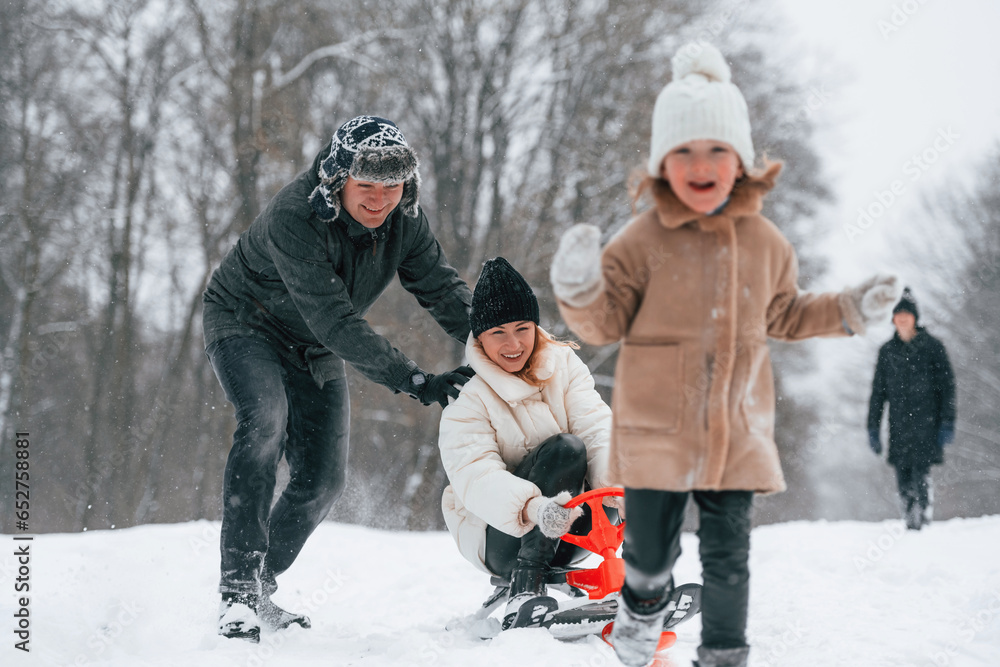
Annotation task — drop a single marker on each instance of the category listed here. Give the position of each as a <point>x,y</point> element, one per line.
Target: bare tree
<point>41,162</point>
<point>133,57</point>
<point>529,116</point>
<point>534,114</point>
<point>954,249</point>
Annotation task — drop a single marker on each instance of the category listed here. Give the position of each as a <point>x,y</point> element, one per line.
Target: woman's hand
<point>550,515</point>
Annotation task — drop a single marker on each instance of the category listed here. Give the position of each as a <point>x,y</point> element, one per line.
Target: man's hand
<point>439,387</point>
<point>874,442</point>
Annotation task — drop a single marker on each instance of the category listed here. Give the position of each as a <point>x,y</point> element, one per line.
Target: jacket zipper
<point>374,242</point>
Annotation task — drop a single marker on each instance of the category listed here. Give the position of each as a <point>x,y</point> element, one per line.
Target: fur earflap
<point>410,203</point>
<point>325,199</point>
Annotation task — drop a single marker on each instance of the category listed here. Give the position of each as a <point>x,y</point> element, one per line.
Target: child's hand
<point>870,302</point>
<point>576,266</point>
<point>550,516</point>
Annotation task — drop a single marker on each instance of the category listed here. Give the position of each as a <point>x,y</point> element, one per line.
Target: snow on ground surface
<point>823,594</point>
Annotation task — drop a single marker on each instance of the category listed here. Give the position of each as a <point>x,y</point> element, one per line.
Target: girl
<point>692,287</point>
<point>525,435</point>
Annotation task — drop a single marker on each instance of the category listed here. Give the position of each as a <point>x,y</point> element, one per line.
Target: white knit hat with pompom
<point>700,103</point>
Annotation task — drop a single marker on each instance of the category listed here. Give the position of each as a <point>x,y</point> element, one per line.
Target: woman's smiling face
<point>702,173</point>
<point>510,345</point>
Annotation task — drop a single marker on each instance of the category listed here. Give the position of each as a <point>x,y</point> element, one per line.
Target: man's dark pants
<point>914,482</point>
<point>280,410</point>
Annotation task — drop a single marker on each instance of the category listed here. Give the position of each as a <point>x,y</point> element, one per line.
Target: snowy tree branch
<point>342,50</point>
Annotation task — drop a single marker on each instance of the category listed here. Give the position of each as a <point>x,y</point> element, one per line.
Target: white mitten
<point>550,516</point>
<point>870,302</point>
<point>576,267</point>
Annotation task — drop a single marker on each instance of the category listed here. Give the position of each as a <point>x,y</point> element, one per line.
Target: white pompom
<point>700,58</point>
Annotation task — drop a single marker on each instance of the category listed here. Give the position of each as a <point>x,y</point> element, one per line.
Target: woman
<point>527,433</point>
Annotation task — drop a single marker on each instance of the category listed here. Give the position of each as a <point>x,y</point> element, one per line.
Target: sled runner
<point>593,592</point>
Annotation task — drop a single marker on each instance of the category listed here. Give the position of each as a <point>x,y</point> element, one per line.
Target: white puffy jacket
<point>491,427</point>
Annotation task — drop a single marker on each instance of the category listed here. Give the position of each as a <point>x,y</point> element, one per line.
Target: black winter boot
<point>722,657</point>
<point>527,582</point>
<point>238,617</point>
<point>274,617</point>
<point>914,515</point>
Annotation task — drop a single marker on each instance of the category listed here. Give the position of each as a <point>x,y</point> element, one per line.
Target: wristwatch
<point>417,382</point>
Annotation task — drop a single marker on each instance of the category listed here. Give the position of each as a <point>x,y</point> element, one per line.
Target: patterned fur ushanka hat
<point>372,149</point>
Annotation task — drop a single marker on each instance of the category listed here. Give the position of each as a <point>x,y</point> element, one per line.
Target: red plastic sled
<point>603,539</point>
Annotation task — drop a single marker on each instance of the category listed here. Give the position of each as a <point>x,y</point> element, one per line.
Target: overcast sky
<point>897,80</point>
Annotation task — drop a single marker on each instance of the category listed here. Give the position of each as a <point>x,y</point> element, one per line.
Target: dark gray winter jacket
<point>917,382</point>
<point>306,284</point>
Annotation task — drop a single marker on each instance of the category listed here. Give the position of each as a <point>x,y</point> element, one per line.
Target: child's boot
<point>638,624</point>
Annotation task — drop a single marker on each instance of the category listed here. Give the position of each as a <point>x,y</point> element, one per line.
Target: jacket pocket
<point>648,392</point>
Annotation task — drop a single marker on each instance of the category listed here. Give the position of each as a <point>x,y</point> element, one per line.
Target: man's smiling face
<point>370,203</point>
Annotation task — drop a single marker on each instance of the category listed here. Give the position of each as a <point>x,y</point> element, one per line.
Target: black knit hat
<point>907,303</point>
<point>502,295</point>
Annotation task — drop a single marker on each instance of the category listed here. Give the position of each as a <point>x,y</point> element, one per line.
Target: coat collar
<point>361,234</point>
<point>917,340</point>
<point>510,388</point>
<point>746,199</point>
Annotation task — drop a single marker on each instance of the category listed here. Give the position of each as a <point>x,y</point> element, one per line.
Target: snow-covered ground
<point>823,594</point>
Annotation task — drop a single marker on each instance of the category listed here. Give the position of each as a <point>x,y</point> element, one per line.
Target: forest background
<point>139,138</point>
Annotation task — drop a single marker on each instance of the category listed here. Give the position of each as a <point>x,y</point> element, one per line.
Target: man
<point>913,375</point>
<point>282,314</point>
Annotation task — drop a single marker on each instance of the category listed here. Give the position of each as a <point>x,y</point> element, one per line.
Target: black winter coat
<point>916,380</point>
<point>306,284</point>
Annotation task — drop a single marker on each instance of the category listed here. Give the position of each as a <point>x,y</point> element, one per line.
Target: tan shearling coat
<point>495,422</point>
<point>692,298</point>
